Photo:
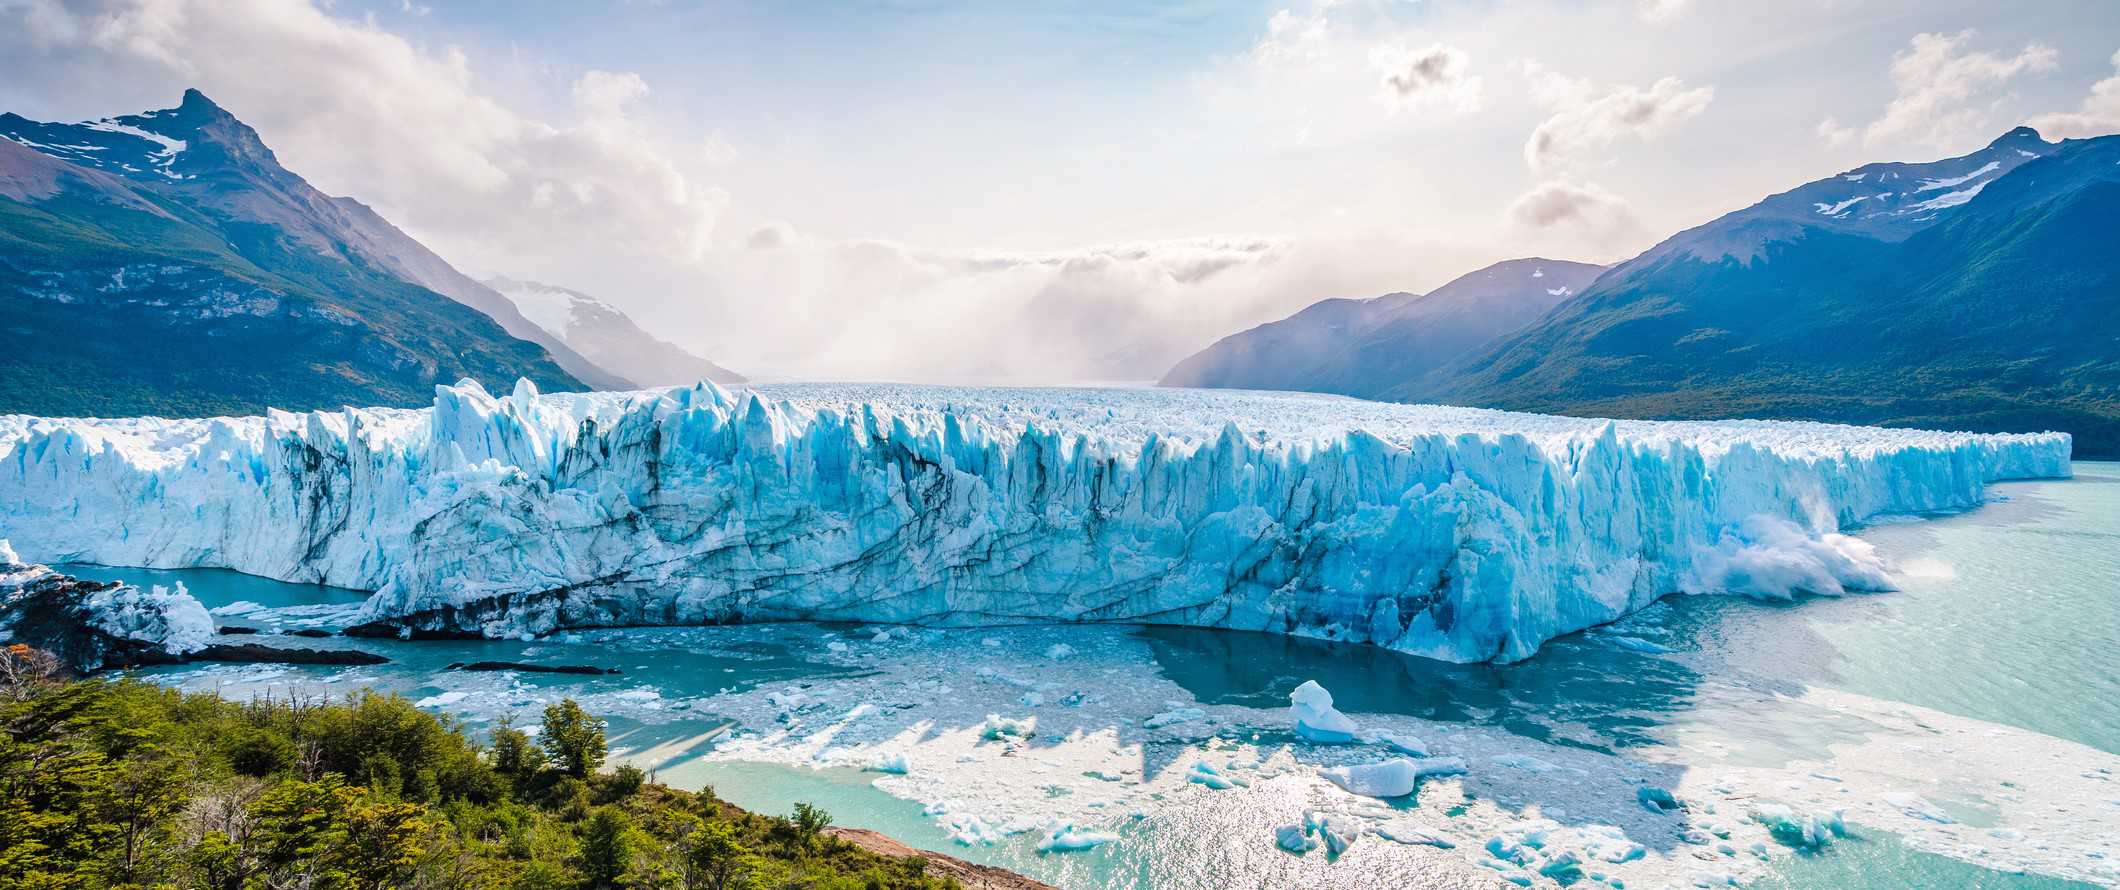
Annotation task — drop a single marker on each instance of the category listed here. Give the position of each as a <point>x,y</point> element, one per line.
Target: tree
<point>134,801</point>
<point>573,739</point>
<point>715,859</point>
<point>810,821</point>
<point>606,849</point>
<point>513,755</point>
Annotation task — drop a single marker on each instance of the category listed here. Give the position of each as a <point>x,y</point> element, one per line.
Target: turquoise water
<point>2008,614</point>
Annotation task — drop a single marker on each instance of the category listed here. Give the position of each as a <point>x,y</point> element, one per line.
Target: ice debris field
<point>1458,534</point>
<point>1068,753</point>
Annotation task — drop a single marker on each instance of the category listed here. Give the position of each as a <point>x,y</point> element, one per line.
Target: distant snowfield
<point>1458,534</point>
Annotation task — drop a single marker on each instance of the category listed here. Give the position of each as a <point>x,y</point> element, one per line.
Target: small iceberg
<point>1316,719</point>
<point>1391,778</point>
<point>1064,837</point>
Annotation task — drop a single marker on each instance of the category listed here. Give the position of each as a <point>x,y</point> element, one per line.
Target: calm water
<point>2009,614</point>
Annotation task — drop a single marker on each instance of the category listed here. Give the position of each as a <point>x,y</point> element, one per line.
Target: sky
<point>1030,191</point>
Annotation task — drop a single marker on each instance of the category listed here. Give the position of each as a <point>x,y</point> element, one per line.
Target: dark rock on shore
<point>311,632</point>
<point>259,653</point>
<point>384,630</point>
<point>230,630</point>
<point>92,625</point>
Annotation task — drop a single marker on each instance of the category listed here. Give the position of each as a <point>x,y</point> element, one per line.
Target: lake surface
<point>2007,616</point>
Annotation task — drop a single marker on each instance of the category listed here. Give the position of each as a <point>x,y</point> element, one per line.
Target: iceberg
<point>1397,777</point>
<point>1316,719</point>
<point>1452,533</point>
<point>1064,837</point>
<point>1801,830</point>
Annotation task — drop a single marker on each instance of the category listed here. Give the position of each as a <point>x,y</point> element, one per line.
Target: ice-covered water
<point>1967,720</point>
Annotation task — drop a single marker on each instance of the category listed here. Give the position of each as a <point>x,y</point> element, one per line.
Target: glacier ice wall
<point>1454,533</point>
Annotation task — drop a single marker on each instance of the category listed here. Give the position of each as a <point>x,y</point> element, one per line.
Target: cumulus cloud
<point>769,236</point>
<point>1561,204</point>
<point>1433,73</point>
<point>1832,132</point>
<point>2099,115</point>
<point>1586,118</point>
<point>410,129</point>
<point>1329,73</point>
<point>1937,80</point>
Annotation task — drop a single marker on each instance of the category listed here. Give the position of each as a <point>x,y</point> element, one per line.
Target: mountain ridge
<point>607,336</point>
<point>1993,305</point>
<point>1361,347</point>
<point>166,263</point>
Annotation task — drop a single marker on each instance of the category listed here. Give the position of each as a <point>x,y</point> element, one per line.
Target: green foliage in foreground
<point>123,784</point>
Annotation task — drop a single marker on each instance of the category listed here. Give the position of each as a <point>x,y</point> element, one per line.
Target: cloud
<point>2099,115</point>
<point>1560,203</point>
<point>1832,132</point>
<point>1936,80</point>
<point>770,236</point>
<point>1661,10</point>
<point>409,129</point>
<point>1586,119</point>
<point>1332,74</point>
<point>870,308</point>
<point>1436,72</point>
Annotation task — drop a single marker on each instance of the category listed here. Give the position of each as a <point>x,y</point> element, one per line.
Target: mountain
<point>606,336</point>
<point>1366,347</point>
<point>166,263</point>
<point>1978,293</point>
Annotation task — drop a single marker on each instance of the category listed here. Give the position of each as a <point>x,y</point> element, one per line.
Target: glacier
<point>1454,533</point>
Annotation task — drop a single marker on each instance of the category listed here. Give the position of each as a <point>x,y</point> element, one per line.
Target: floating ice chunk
<point>1607,843</point>
<point>1917,806</point>
<point>1203,773</point>
<point>1409,833</point>
<point>1064,837</point>
<point>1294,838</point>
<point>998,728</point>
<point>441,700</point>
<point>1174,715</point>
<point>1640,645</point>
<point>1525,762</point>
<point>1031,700</point>
<point>1316,719</point>
<point>888,762</point>
<point>1058,651</point>
<point>1656,800</point>
<point>1563,867</point>
<point>239,607</point>
<point>1803,830</point>
<point>1391,778</point>
<point>1338,831</point>
<point>1405,744</point>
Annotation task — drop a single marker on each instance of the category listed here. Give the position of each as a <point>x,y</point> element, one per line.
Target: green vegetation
<point>127,785</point>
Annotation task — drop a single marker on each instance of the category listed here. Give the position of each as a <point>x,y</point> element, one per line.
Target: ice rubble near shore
<point>1453,533</point>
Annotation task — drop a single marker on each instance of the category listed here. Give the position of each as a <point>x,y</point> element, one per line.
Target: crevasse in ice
<point>1454,533</point>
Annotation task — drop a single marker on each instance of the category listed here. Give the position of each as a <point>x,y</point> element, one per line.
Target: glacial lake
<point>2005,627</point>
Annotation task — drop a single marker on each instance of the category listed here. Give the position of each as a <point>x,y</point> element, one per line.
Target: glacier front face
<point>1453,533</point>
